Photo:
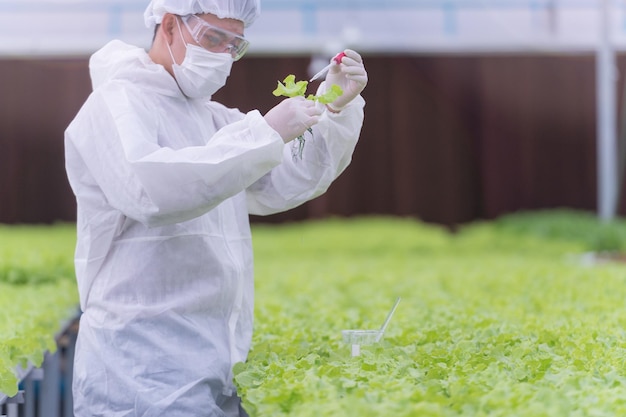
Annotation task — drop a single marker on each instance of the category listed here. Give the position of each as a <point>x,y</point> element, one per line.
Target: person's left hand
<point>350,75</point>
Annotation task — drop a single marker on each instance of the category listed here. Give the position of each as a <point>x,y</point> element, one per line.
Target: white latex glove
<point>350,75</point>
<point>293,116</point>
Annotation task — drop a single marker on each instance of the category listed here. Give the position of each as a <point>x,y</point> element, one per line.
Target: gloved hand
<point>350,75</point>
<point>293,116</point>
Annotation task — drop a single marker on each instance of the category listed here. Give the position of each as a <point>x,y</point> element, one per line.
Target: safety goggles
<point>215,39</point>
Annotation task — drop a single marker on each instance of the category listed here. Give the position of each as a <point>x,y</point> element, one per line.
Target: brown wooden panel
<point>39,98</point>
<point>538,134</point>
<point>446,138</point>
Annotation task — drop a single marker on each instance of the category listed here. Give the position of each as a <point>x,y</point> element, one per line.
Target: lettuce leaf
<point>290,88</point>
<point>329,96</point>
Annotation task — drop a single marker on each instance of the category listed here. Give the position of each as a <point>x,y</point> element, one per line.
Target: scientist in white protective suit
<point>165,180</point>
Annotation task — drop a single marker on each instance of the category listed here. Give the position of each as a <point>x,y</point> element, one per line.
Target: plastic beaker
<point>358,338</point>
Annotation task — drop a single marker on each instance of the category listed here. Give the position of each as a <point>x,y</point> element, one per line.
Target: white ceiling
<point>79,27</point>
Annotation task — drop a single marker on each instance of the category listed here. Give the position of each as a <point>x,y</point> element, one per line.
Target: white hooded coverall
<point>164,186</point>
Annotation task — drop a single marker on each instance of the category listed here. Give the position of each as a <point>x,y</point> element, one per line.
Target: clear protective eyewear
<point>215,39</point>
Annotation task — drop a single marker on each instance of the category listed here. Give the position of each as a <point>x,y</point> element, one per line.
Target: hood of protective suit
<point>245,10</point>
<point>118,60</point>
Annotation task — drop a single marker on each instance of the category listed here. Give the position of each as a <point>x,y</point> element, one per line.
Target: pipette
<point>336,61</point>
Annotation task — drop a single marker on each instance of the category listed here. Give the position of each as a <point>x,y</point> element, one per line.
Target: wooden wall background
<point>447,139</point>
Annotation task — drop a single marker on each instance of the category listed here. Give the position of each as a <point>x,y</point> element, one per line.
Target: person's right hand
<point>293,116</point>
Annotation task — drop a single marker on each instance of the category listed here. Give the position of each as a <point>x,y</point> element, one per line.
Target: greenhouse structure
<point>485,197</point>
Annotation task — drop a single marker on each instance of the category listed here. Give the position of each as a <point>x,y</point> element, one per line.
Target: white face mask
<point>202,72</point>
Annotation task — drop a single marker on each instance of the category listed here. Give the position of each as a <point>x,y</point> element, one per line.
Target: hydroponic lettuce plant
<point>494,322</point>
<point>37,295</point>
<point>31,316</point>
<point>290,88</point>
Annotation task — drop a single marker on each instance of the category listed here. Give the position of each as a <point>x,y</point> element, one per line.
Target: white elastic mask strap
<point>181,38</point>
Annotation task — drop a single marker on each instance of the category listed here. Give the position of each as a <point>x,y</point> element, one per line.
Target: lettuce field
<point>37,294</point>
<point>510,317</point>
<point>505,318</point>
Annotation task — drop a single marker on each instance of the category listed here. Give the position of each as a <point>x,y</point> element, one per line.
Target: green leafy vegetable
<point>37,294</point>
<point>499,319</point>
<point>290,88</point>
<point>329,96</point>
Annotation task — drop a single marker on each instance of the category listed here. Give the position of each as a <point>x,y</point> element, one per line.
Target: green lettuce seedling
<point>329,96</point>
<point>290,88</point>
